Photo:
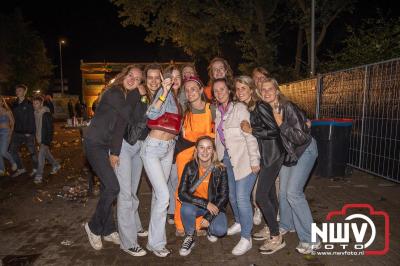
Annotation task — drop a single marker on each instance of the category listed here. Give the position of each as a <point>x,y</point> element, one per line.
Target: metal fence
<point>370,95</point>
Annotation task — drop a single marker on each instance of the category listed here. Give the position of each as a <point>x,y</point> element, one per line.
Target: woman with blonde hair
<point>6,130</point>
<point>203,191</point>
<point>218,68</point>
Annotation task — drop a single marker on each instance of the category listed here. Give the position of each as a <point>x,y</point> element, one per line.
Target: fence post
<point>319,92</point>
<point>366,77</point>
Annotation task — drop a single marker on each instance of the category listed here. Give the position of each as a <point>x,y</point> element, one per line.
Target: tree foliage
<point>200,28</point>
<point>375,40</point>
<point>23,56</point>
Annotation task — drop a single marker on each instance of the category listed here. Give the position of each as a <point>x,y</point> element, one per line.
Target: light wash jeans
<point>172,186</point>
<point>128,173</point>
<point>157,158</point>
<point>239,197</point>
<point>4,132</point>
<point>190,212</point>
<point>294,210</point>
<point>45,154</point>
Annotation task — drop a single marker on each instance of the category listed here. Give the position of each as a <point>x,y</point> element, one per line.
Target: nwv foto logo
<point>336,234</point>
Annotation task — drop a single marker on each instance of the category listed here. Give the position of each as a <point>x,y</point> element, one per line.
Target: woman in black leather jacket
<point>265,129</point>
<point>301,154</point>
<point>203,191</point>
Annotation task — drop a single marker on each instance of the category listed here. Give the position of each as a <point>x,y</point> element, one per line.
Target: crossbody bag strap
<point>208,171</point>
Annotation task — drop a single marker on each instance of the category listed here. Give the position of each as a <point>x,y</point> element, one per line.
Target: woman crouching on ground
<point>203,191</point>
<point>164,120</point>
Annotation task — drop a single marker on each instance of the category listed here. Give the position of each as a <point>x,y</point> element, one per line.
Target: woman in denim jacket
<point>157,154</point>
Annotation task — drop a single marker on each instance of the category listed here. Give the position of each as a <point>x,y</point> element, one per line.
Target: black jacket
<point>137,124</point>
<point>24,117</point>
<point>47,128</point>
<point>218,191</point>
<point>108,125</point>
<point>295,134</point>
<point>267,133</point>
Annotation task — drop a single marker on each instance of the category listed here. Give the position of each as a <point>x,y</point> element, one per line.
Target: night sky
<point>94,33</point>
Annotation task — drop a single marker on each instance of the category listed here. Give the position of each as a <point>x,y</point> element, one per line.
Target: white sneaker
<point>113,237</point>
<point>136,251</point>
<point>234,229</point>
<point>38,180</point>
<point>242,247</point>
<point>307,248</point>
<point>272,245</point>
<point>19,172</point>
<point>95,240</point>
<point>14,167</point>
<point>257,216</point>
<point>159,252</point>
<point>187,245</point>
<point>55,169</point>
<point>212,238</point>
<point>33,173</point>
<point>143,233</point>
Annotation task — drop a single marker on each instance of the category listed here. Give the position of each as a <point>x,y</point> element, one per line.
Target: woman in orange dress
<point>197,122</point>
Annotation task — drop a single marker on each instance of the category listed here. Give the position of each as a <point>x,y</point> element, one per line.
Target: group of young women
<point>201,147</point>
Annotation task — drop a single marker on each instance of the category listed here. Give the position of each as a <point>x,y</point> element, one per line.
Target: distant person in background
<point>78,108</point>
<point>24,130</point>
<point>84,111</point>
<point>259,75</point>
<point>71,112</point>
<point>48,102</point>
<point>44,136</point>
<point>96,102</point>
<point>6,130</point>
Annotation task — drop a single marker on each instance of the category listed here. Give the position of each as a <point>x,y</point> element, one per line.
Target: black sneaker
<point>136,251</point>
<point>187,245</point>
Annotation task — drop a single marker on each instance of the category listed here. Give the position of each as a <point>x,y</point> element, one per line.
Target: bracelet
<point>162,98</point>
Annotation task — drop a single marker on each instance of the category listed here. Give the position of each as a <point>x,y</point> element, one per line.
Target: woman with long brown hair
<point>103,141</point>
<point>6,130</point>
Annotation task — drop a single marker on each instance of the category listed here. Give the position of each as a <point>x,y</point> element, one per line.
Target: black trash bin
<point>333,140</point>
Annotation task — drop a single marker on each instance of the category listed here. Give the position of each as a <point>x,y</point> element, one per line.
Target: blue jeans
<point>128,173</point>
<point>157,158</point>
<point>190,212</point>
<point>239,197</point>
<point>4,133</point>
<point>172,186</point>
<point>293,207</point>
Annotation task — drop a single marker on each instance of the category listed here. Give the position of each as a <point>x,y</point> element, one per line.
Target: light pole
<point>60,43</point>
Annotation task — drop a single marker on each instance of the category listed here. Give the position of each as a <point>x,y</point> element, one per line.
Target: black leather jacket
<point>295,134</point>
<point>267,133</point>
<point>218,191</point>
<point>137,123</point>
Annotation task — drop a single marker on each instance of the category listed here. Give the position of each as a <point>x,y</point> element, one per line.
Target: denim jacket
<point>168,106</point>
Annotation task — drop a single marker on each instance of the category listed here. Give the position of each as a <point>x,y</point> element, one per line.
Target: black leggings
<point>266,195</point>
<point>102,222</point>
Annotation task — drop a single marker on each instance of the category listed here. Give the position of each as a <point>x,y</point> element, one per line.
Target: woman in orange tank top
<point>198,121</point>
